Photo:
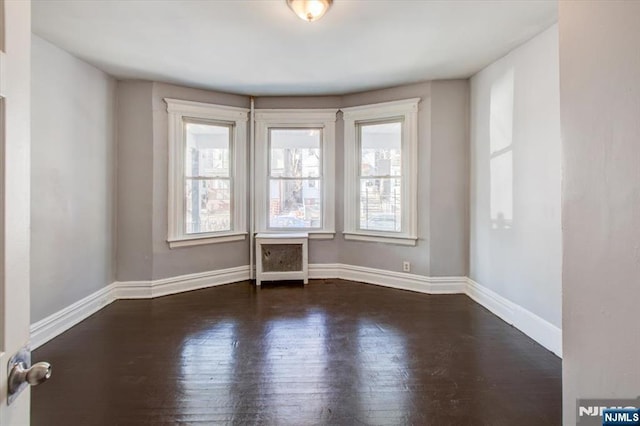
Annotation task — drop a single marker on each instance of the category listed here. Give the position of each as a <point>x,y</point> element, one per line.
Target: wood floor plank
<point>332,352</point>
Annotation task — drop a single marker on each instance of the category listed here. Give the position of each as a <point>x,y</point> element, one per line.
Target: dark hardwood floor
<point>333,352</point>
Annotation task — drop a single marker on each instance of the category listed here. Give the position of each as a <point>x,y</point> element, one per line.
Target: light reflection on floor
<point>329,353</point>
<point>293,364</point>
<point>295,357</point>
<point>382,359</point>
<point>208,367</point>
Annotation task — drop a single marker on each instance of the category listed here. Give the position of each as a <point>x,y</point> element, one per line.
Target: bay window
<point>207,158</point>
<point>295,171</point>
<point>381,172</point>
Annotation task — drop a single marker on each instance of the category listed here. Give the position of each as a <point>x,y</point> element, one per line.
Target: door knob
<point>19,374</point>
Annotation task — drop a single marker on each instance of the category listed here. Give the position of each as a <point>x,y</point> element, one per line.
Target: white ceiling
<point>261,48</point>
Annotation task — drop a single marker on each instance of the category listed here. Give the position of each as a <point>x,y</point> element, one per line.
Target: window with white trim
<point>207,158</point>
<point>381,148</point>
<point>295,178</point>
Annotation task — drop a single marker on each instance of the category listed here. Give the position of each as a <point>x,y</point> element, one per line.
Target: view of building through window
<point>380,175</point>
<point>295,181</point>
<point>208,182</point>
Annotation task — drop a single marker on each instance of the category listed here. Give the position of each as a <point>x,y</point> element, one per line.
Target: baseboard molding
<point>56,324</point>
<point>59,322</point>
<point>539,329</point>
<point>532,325</point>
<point>179,284</point>
<point>497,304</point>
<point>318,271</point>
<point>399,280</point>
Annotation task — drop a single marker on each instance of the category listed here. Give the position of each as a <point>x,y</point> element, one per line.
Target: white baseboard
<point>179,284</point>
<point>318,271</point>
<point>497,304</point>
<point>532,325</point>
<point>59,322</point>
<point>540,330</point>
<point>393,279</point>
<point>56,324</point>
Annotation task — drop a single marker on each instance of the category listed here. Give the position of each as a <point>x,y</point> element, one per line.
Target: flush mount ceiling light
<point>309,10</point>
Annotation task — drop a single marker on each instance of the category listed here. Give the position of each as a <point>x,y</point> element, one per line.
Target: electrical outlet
<point>406,266</point>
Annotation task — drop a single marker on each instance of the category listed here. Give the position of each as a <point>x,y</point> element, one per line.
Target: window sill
<point>206,239</point>
<point>322,235</point>
<point>402,240</point>
<point>313,235</point>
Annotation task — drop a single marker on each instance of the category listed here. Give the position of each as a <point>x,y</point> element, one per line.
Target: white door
<point>15,80</point>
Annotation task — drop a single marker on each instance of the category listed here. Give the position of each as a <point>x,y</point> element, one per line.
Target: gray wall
<point>143,251</point>
<point>142,165</point>
<point>72,179</point>
<point>135,181</point>
<point>515,232</point>
<point>600,92</point>
<point>449,178</point>
<point>389,256</point>
<point>442,182</point>
<point>184,260</point>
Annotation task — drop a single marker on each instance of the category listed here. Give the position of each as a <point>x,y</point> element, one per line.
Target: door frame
<point>15,213</point>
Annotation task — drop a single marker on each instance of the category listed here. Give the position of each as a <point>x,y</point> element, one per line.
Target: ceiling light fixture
<point>309,10</point>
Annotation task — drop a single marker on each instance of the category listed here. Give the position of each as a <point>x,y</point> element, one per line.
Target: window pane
<point>294,153</point>
<point>207,151</point>
<point>295,203</point>
<point>381,205</point>
<point>208,205</point>
<point>380,149</point>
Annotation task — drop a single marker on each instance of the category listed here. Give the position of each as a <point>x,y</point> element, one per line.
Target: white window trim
<point>178,110</point>
<point>407,110</point>
<point>296,118</point>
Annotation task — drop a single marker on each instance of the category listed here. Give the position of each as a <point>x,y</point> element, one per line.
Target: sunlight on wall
<point>501,151</point>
